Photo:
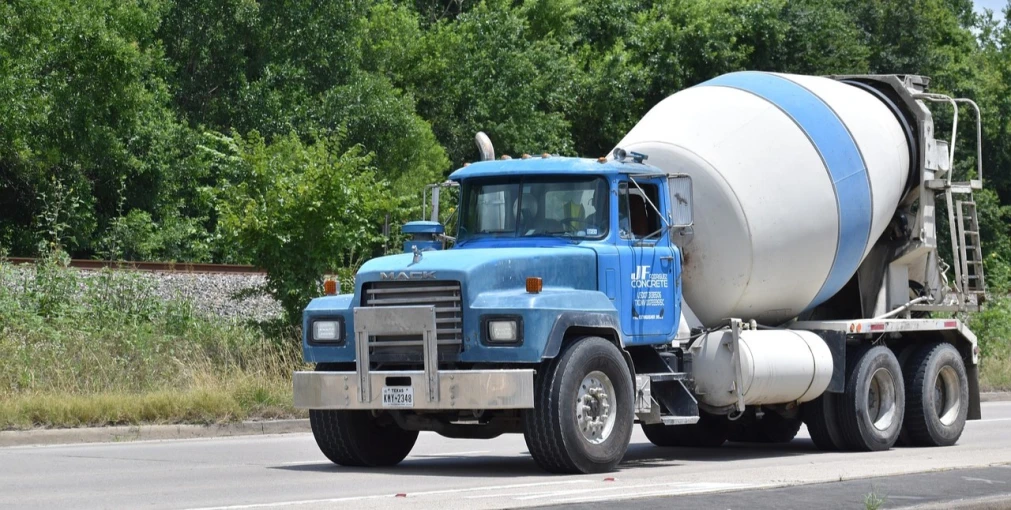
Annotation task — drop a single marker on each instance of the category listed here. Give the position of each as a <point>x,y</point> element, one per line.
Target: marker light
<point>330,287</point>
<point>534,284</point>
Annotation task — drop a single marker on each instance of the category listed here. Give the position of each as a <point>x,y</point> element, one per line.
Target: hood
<point>481,269</point>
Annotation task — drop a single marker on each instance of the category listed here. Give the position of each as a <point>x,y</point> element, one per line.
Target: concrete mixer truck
<point>759,252</point>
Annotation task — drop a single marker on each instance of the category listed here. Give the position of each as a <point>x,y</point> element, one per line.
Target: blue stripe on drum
<point>841,156</point>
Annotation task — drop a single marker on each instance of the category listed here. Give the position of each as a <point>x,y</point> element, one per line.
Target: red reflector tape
<point>877,327</point>
<point>951,324</point>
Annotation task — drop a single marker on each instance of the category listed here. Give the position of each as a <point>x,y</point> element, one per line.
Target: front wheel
<point>582,419</point>
<point>360,438</point>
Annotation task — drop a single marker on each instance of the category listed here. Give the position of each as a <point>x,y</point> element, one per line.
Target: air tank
<point>795,178</point>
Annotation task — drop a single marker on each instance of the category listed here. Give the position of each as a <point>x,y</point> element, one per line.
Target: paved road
<point>288,470</point>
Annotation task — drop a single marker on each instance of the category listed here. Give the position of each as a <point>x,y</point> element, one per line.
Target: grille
<point>444,295</point>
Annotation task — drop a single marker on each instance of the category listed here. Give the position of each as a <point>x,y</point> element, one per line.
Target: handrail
<point>941,98</point>
<point>979,136</point>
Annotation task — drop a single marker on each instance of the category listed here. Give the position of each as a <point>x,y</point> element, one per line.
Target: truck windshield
<point>574,207</point>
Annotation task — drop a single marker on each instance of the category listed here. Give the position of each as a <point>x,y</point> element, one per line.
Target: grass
<point>103,350</point>
<point>993,331</point>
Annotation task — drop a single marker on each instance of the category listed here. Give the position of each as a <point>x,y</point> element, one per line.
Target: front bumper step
<point>458,389</point>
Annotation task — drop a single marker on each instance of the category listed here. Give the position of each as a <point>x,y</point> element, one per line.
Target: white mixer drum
<point>795,178</point>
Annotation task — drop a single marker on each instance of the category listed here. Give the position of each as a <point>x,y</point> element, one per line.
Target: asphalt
<point>287,470</point>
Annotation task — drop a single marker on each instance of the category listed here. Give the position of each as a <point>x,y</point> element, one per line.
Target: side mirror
<point>681,213</point>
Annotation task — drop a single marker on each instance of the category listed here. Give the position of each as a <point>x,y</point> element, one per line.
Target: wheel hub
<point>595,402</point>
<point>947,397</point>
<point>881,399</point>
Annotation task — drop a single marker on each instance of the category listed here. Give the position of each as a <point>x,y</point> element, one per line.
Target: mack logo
<point>407,275</point>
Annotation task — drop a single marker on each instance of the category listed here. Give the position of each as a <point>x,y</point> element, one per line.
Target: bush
<point>300,210</point>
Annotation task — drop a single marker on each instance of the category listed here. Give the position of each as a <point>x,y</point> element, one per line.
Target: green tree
<point>481,72</point>
<point>300,210</point>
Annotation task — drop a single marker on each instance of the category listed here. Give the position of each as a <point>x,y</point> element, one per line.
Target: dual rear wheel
<point>924,400</point>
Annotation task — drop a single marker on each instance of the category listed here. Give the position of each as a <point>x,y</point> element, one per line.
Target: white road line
<point>384,496</point>
<point>683,492</point>
<point>676,487</point>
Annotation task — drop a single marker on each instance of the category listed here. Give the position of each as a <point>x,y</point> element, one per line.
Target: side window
<point>636,218</point>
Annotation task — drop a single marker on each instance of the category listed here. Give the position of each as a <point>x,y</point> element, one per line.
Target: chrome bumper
<point>432,388</point>
<point>458,389</point>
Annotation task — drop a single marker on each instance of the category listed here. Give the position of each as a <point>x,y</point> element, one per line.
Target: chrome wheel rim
<point>881,406</point>
<point>595,407</point>
<point>947,397</point>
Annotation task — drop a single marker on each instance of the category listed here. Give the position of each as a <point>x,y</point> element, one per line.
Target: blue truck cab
<point>560,268</point>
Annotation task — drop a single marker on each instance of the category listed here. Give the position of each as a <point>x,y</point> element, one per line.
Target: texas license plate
<point>398,396</point>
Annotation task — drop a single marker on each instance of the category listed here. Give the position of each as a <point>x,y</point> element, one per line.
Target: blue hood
<point>498,269</point>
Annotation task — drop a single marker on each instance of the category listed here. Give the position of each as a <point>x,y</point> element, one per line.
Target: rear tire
<point>937,396</point>
<point>570,429</point>
<point>774,428</point>
<point>709,432</point>
<point>870,411</point>
<point>820,418</point>
<point>359,438</point>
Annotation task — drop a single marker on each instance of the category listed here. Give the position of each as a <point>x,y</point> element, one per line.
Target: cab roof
<point>552,165</point>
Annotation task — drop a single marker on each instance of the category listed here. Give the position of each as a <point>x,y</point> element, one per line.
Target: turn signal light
<point>330,287</point>
<point>534,284</point>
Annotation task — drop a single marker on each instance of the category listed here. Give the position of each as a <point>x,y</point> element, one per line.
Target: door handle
<point>667,257</point>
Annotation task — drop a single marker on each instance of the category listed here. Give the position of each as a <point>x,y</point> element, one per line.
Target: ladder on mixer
<point>969,263</point>
<point>963,221</point>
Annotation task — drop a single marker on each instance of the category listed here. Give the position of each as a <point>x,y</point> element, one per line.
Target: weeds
<point>103,349</point>
<point>872,501</point>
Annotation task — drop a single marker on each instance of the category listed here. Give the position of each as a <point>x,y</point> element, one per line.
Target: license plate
<point>398,396</point>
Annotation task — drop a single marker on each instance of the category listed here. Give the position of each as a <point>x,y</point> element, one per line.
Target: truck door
<point>647,277</point>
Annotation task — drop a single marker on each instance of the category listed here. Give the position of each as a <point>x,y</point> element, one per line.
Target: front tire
<point>937,396</point>
<point>582,420</point>
<point>871,409</point>
<point>359,438</point>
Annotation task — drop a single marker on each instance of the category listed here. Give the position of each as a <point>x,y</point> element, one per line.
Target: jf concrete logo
<point>642,277</point>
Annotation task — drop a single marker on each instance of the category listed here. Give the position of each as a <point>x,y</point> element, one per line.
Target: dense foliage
<point>251,130</point>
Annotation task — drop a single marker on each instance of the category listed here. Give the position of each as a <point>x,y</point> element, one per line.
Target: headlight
<point>503,330</point>
<point>327,331</point>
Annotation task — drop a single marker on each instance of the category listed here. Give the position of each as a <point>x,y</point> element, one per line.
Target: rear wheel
<point>937,396</point>
<point>871,409</point>
<point>582,420</point>
<point>360,438</point>
<point>775,428</point>
<point>710,431</point>
<point>820,418</point>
